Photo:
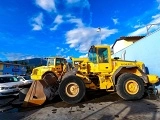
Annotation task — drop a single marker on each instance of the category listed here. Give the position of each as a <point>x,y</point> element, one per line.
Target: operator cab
<point>55,61</point>
<point>100,56</point>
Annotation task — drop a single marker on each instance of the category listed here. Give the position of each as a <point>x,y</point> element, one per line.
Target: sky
<point>45,28</point>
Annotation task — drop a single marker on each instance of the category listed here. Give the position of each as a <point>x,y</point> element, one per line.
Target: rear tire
<point>130,86</point>
<point>72,89</point>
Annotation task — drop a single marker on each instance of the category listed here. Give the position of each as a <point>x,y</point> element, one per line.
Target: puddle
<point>14,110</point>
<point>9,110</point>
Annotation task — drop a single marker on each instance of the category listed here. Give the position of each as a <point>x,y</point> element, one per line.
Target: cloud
<point>84,56</point>
<point>54,27</point>
<point>159,4</point>
<point>72,7</point>
<point>140,31</point>
<point>82,3</point>
<point>82,38</point>
<point>57,48</point>
<point>70,19</point>
<point>67,58</point>
<point>72,1</point>
<point>57,21</point>
<point>61,51</point>
<point>37,22</point>
<point>77,21</point>
<point>151,26</point>
<point>156,16</point>
<point>115,21</point>
<point>139,26</point>
<point>15,56</point>
<point>48,5</point>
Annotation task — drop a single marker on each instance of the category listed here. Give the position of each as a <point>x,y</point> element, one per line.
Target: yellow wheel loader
<point>98,71</point>
<point>46,81</point>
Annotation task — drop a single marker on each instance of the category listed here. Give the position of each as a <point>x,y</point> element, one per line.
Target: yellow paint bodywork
<point>153,79</point>
<point>38,72</point>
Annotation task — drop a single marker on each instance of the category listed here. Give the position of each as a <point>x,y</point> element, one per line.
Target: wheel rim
<point>72,89</point>
<point>132,87</point>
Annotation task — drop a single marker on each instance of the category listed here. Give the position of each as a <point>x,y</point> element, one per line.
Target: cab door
<point>58,66</point>
<point>104,60</point>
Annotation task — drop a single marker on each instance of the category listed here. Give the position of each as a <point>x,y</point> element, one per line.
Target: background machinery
<point>98,71</point>
<point>46,81</point>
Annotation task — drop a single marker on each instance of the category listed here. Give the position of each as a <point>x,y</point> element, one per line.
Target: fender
<point>69,73</point>
<point>144,76</point>
<point>49,72</point>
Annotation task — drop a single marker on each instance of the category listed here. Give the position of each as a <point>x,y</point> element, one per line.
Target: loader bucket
<point>35,95</point>
<point>41,91</point>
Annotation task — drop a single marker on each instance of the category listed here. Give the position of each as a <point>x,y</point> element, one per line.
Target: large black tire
<point>130,86</point>
<point>65,89</point>
<point>51,85</point>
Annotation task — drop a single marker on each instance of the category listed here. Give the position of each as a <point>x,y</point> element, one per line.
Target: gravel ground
<point>109,107</point>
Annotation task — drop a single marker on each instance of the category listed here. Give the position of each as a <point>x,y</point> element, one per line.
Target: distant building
<point>124,42</point>
<point>11,68</point>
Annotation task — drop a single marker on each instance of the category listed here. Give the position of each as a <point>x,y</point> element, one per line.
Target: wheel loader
<point>99,72</point>
<point>46,81</point>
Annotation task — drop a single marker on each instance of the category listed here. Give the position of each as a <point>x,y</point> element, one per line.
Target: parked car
<point>25,79</point>
<point>9,85</point>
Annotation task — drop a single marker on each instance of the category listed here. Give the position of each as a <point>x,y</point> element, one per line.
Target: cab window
<point>58,61</point>
<point>103,55</point>
<point>92,55</point>
<point>63,61</point>
<point>50,61</point>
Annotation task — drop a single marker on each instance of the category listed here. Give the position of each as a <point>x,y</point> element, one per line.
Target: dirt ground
<point>94,107</point>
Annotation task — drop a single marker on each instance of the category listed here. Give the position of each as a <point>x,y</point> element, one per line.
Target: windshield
<point>92,55</point>
<point>8,79</point>
<point>60,61</point>
<point>50,61</point>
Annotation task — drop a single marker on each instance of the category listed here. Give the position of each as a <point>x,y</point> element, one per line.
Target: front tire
<point>50,86</point>
<point>72,89</point>
<point>130,86</point>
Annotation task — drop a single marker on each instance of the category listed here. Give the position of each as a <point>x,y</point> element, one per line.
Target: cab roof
<point>101,46</point>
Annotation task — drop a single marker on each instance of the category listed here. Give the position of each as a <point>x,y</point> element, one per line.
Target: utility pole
<point>99,30</point>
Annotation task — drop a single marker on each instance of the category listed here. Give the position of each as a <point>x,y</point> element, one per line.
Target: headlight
<point>143,68</point>
<point>34,71</point>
